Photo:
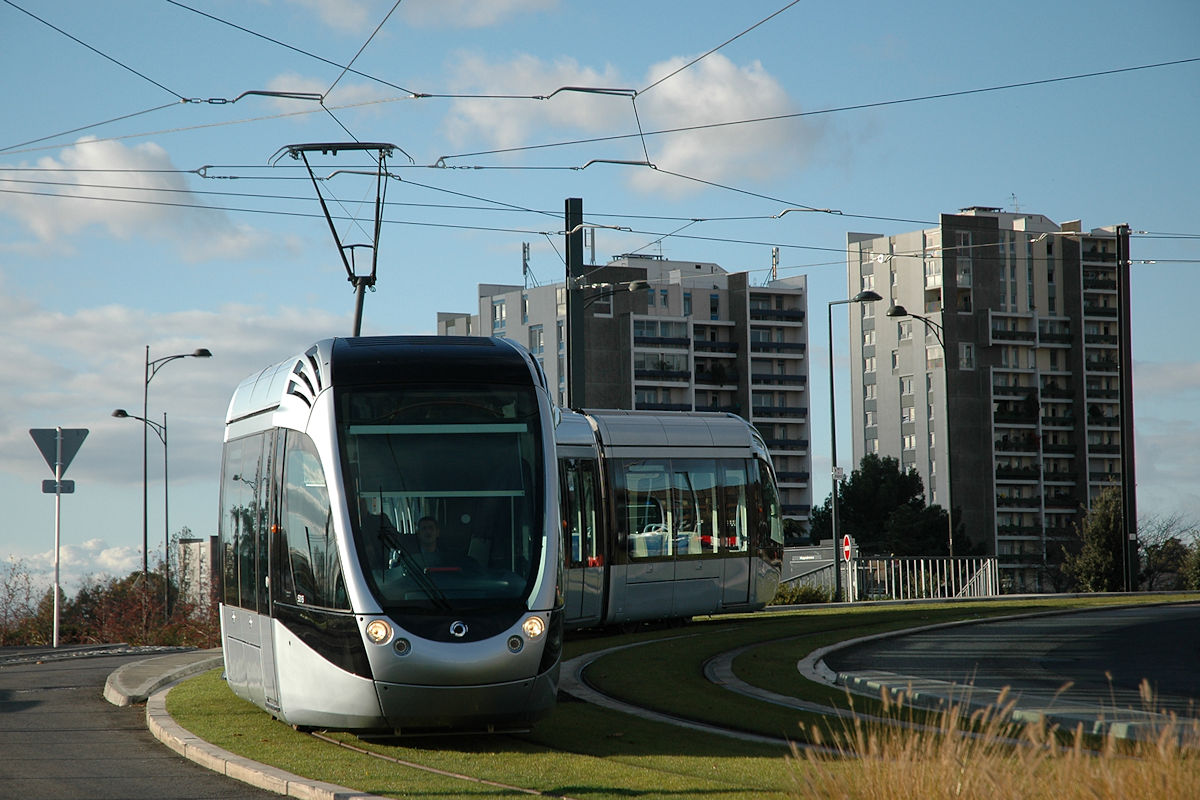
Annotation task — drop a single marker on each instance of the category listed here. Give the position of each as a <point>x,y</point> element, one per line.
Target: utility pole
<point>576,338</point>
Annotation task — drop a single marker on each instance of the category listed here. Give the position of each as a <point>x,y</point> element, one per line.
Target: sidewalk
<point>148,681</point>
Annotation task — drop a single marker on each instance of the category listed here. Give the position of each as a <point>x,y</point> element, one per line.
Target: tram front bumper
<point>511,705</point>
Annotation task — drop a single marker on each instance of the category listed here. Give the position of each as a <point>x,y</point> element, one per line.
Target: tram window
<point>694,486</point>
<point>771,517</point>
<point>644,493</point>
<point>244,511</point>
<point>734,508</point>
<point>579,512</point>
<point>313,567</point>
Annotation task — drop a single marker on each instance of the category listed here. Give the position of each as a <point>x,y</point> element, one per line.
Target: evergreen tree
<point>1098,566</point>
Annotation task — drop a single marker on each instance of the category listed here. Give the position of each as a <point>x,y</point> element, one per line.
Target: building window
<point>714,306</point>
<point>868,338</point>
<point>869,419</point>
<point>904,329</point>
<point>537,341</point>
<point>895,360</point>
<point>499,315</point>
<point>933,356</point>
<point>869,364</point>
<point>906,386</point>
<point>966,355</point>
<point>909,441</point>
<point>560,301</point>
<point>908,414</point>
<point>869,391</point>
<point>560,331</point>
<point>687,304</point>
<point>872,445</point>
<point>662,296</point>
<point>524,309</point>
<point>650,297</point>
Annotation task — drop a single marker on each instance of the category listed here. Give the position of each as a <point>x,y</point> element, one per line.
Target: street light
<point>867,296</point>
<point>152,368</point>
<point>161,431</point>
<point>939,334</point>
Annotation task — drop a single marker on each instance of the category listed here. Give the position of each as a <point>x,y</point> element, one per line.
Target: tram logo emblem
<point>458,629</point>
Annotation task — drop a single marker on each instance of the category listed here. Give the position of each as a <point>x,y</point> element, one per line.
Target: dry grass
<point>982,755</point>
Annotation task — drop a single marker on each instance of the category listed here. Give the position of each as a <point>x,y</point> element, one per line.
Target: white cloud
<point>717,90</point>
<point>468,13</point>
<point>511,123</point>
<point>130,192</point>
<point>348,16</point>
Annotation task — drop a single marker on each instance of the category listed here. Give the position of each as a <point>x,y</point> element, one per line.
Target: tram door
<point>585,556</point>
<point>735,537</point>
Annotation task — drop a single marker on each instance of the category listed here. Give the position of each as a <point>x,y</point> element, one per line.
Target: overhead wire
<point>718,47</point>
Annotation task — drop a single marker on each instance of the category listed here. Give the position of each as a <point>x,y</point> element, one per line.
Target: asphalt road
<point>61,740</point>
<point>1095,657</point>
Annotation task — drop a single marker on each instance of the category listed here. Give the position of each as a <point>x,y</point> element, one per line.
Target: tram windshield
<point>445,488</point>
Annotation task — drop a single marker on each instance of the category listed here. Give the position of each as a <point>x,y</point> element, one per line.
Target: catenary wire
<point>364,47</point>
<point>718,47</point>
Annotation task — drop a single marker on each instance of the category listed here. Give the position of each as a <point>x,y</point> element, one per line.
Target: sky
<point>147,200</point>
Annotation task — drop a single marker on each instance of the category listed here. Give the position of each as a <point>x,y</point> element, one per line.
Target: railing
<point>776,315</point>
<point>780,380</point>
<point>798,412</point>
<point>786,445</point>
<point>662,375</point>
<point>778,347</point>
<point>908,578</point>
<point>703,345</point>
<point>661,341</point>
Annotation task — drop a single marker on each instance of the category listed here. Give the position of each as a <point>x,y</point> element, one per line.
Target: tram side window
<point>734,538</point>
<point>312,570</point>
<point>694,491</point>
<point>643,494</point>
<point>244,496</point>
<point>580,512</point>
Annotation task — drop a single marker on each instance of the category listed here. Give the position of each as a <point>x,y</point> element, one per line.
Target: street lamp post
<point>161,431</point>
<point>867,296</point>
<point>152,368</point>
<point>939,334</point>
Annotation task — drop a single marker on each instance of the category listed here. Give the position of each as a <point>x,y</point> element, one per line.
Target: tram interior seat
<point>480,550</point>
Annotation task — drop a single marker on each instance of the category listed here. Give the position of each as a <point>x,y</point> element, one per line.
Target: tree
<point>1098,566</point>
<point>883,509</point>
<point>18,599</point>
<point>1163,542</point>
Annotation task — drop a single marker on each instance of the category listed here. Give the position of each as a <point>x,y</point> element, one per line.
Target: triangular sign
<point>46,440</point>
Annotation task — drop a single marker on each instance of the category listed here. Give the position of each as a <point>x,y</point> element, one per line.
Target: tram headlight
<point>534,627</point>
<point>379,631</point>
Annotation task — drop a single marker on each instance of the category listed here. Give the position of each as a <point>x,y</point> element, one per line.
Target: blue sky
<point>168,226</point>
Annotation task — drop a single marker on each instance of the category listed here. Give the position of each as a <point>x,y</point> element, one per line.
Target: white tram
<point>335,614</point>
<point>408,525</point>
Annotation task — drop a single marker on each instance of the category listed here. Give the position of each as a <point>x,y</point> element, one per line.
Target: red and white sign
<point>846,547</point>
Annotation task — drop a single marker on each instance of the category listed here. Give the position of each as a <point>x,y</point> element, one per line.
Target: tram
<point>389,537</point>
<point>408,526</point>
<point>665,516</point>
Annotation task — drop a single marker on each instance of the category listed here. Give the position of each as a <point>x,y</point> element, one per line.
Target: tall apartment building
<point>688,336</point>
<point>1014,403</point>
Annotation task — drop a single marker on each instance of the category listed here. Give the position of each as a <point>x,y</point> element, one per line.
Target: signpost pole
<point>58,475</point>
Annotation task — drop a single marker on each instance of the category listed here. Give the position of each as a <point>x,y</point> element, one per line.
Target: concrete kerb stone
<point>941,695</point>
<point>149,681</point>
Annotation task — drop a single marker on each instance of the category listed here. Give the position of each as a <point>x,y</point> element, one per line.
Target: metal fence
<point>908,578</point>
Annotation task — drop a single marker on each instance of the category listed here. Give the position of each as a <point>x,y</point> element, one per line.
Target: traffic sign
<point>846,547</point>
<point>58,487</point>
<point>46,440</point>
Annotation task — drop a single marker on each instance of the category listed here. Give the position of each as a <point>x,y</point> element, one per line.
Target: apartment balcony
<point>787,445</point>
<point>1059,449</point>
<point>776,315</point>
<point>1101,365</point>
<point>1014,418</point>
<point>774,379</point>
<point>663,375</point>
<point>704,346</point>
<point>1024,444</point>
<point>1018,530</point>
<point>721,409</point>
<point>1052,339</point>
<point>1011,392</point>
<point>1012,336</point>
<point>1101,339</point>
<point>787,348</point>
<point>1093,310</point>
<point>1062,500</point>
<point>1105,449</point>
<point>1096,392</point>
<point>1029,503</point>
<point>798,478</point>
<point>682,343</point>
<point>715,378</point>
<point>1009,474</point>
<point>664,406</point>
<point>1059,422</point>
<point>1096,256</point>
<point>765,412</point>
<point>1057,393</point>
<point>1100,284</point>
<point>1104,477</point>
<point>1110,422</point>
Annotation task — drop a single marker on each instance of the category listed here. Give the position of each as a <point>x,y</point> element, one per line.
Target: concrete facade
<point>1014,402</point>
<point>690,336</point>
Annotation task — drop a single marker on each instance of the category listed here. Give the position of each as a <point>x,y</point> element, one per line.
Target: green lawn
<point>584,751</point>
